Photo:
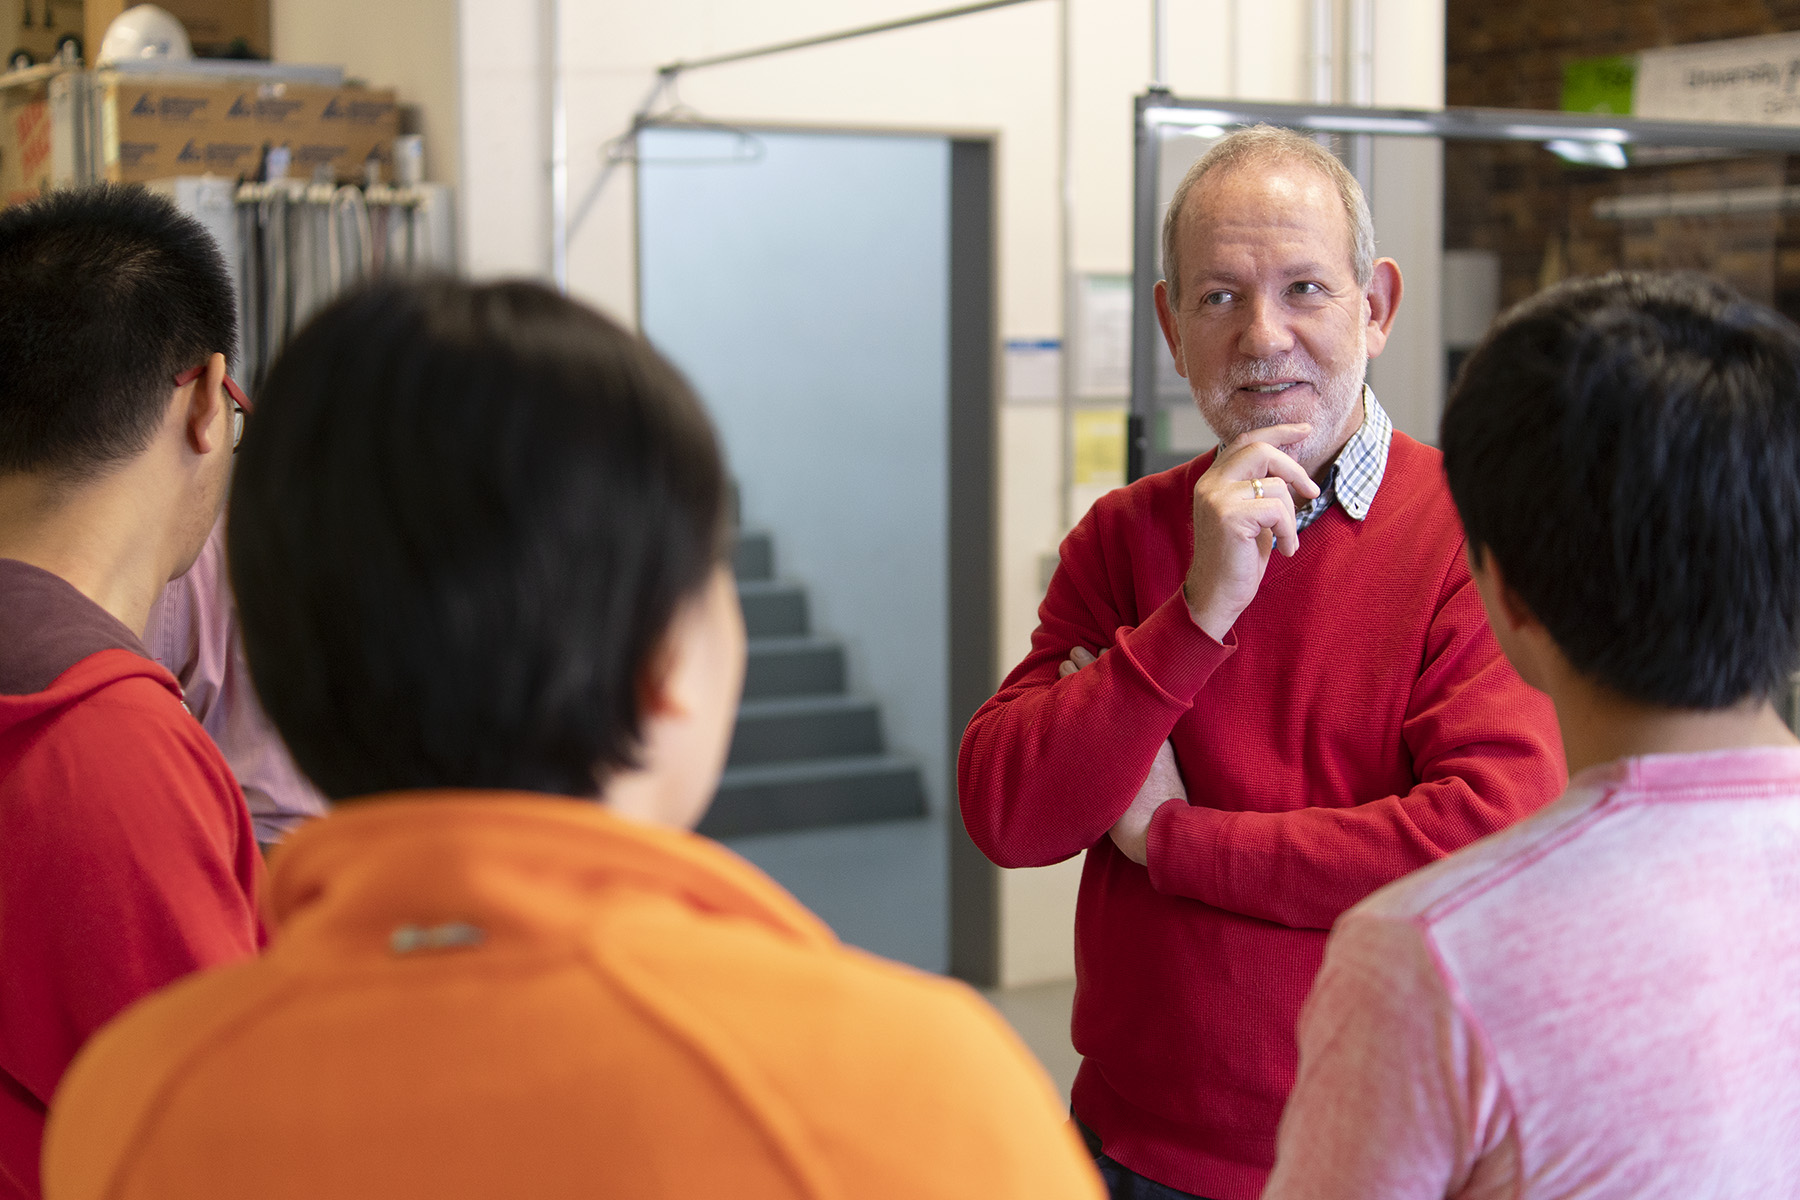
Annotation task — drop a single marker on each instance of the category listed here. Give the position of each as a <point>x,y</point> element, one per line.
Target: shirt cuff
<point>1173,653</point>
<point>1181,850</point>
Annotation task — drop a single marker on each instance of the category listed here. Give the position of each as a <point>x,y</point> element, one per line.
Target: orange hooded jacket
<point>480,994</point>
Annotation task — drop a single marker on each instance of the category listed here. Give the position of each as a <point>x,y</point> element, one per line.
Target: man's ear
<point>1383,298</point>
<point>1165,316</point>
<point>201,425</point>
<point>659,683</point>
<point>1503,603</point>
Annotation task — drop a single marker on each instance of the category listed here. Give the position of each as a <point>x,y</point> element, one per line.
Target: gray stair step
<point>799,666</point>
<point>810,727</point>
<point>838,791</point>
<point>753,557</point>
<point>773,609</point>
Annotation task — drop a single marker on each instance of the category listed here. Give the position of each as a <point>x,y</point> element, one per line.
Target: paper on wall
<point>1747,80</point>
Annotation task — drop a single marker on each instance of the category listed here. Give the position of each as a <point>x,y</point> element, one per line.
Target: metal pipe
<point>1487,124</point>
<point>1065,152</point>
<point>825,38</point>
<point>611,161</point>
<point>1361,25</point>
<point>1322,52</point>
<point>1144,274</point>
<point>559,146</point>
<point>1359,50</point>
<point>1159,43</point>
<point>1231,47</point>
<point>1720,202</point>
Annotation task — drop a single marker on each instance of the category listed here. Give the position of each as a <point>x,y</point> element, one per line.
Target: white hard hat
<point>145,32</point>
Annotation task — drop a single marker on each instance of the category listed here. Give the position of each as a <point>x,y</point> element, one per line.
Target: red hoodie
<point>126,853</point>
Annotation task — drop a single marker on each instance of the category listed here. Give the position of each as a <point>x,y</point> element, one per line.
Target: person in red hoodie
<point>126,853</point>
<point>1299,699</point>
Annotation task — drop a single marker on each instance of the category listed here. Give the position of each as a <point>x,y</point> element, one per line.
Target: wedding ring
<point>1256,486</point>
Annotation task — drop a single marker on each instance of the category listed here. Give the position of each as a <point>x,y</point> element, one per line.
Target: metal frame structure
<point>1159,110</point>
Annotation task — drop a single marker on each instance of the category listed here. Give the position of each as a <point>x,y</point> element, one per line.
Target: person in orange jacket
<point>478,536</point>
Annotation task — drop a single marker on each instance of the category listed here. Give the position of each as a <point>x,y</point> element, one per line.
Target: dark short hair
<point>1628,449</point>
<point>106,294</point>
<point>462,520</point>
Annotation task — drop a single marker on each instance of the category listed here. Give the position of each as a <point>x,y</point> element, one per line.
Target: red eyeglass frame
<point>232,390</point>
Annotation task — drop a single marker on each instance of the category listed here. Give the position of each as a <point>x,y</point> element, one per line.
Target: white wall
<point>503,201</point>
<point>409,45</point>
<point>995,72</point>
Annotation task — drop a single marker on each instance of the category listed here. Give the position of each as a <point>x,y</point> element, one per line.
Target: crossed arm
<point>1074,750</point>
<point>1108,726</point>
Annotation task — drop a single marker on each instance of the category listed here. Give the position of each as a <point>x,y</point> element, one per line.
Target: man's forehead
<point>1284,210</point>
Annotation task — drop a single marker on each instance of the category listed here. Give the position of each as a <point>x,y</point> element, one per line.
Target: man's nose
<point>1266,331</point>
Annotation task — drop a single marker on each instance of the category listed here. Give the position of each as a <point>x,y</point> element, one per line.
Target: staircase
<point>805,754</point>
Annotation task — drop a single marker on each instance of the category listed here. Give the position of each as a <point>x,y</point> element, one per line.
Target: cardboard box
<point>156,127</point>
<point>212,25</point>
<point>25,157</point>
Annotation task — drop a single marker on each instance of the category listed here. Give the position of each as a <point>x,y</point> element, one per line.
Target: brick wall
<point>1511,53</point>
<point>1537,212</point>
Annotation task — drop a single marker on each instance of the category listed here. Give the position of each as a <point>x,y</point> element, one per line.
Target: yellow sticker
<point>1100,446</point>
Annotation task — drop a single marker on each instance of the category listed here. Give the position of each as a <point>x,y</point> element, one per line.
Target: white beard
<point>1230,417</point>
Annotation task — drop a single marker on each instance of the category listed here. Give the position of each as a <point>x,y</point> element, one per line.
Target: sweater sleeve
<point>1396,1097</point>
<point>1048,765</point>
<point>1485,751</point>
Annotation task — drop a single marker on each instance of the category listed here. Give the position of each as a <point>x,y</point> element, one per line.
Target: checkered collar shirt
<point>1357,470</point>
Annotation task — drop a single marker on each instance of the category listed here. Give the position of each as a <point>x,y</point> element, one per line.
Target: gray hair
<point>1265,144</point>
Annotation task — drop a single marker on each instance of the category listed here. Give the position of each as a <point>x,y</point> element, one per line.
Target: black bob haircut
<point>1628,449</point>
<point>107,293</point>
<point>461,522</point>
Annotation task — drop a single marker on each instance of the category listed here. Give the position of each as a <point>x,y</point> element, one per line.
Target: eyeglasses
<point>240,403</point>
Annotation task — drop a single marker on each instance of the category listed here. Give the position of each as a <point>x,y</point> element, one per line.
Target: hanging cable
<point>349,205</point>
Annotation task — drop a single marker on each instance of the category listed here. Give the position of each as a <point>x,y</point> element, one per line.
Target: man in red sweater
<point>1295,699</point>
<point>126,853</point>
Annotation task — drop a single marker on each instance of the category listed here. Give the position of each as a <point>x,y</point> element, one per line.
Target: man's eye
<point>1307,288</point>
<point>1216,298</point>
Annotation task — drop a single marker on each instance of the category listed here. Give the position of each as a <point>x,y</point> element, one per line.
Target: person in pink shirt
<point>193,631</point>
<point>1603,1000</point>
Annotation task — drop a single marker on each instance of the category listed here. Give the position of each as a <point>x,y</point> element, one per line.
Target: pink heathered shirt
<point>1602,1001</point>
<point>192,631</point>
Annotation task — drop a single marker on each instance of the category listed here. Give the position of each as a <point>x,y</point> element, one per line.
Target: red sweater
<point>126,854</point>
<point>1360,723</point>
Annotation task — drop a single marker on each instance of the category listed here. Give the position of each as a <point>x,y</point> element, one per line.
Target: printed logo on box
<point>133,154</point>
<point>180,108</point>
<point>273,110</point>
<point>215,154</point>
<point>357,112</point>
<point>169,108</point>
<point>228,154</point>
<point>314,155</point>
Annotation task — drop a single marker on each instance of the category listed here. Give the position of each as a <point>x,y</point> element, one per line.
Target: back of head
<point>1628,449</point>
<point>107,293</point>
<point>1261,145</point>
<point>462,519</point>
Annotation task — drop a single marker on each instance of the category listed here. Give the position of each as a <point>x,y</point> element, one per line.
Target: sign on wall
<point>1750,80</point>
